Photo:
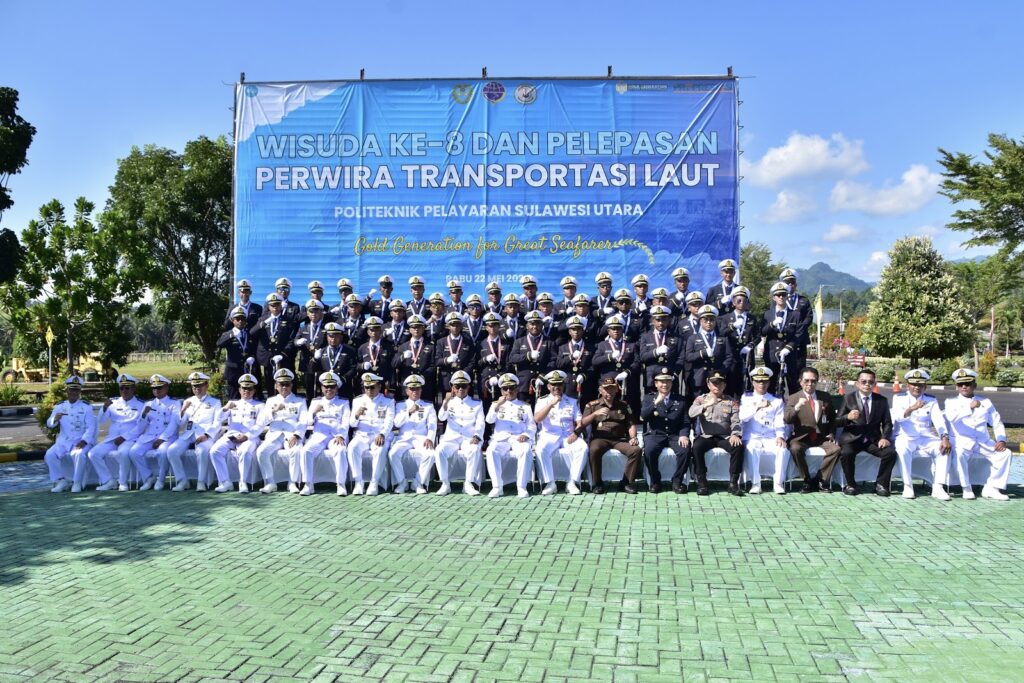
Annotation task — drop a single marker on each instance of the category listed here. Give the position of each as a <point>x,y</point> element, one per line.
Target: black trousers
<point>887,460</point>
<point>703,444</point>
<point>654,444</point>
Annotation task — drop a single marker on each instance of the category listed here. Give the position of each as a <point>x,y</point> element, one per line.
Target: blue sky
<point>844,105</point>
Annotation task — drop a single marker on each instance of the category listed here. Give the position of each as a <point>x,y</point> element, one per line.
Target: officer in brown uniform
<point>719,418</point>
<point>613,426</point>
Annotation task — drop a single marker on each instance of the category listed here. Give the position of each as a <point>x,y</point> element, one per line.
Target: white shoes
<point>572,489</point>
<point>908,492</point>
<point>269,488</point>
<point>523,493</point>
<point>200,486</point>
<point>372,489</point>
<point>939,493</point>
<point>107,486</point>
<point>342,491</point>
<point>443,491</point>
<point>357,490</point>
<point>293,487</point>
<point>496,493</point>
<point>550,489</point>
<point>159,485</point>
<point>402,488</point>
<point>969,493</point>
<point>224,488</point>
<point>122,488</point>
<point>243,487</point>
<point>421,490</point>
<point>755,489</point>
<point>148,484</point>
<point>992,493</point>
<point>780,489</point>
<point>76,488</point>
<point>470,489</point>
<point>307,490</point>
<point>61,486</point>
<point>181,485</point>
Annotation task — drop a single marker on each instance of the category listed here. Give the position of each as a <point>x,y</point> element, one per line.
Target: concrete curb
<point>22,456</point>
<point>17,410</point>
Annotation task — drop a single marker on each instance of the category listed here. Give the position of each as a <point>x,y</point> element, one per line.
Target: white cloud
<point>926,231</point>
<point>841,232</point>
<point>821,251</point>
<point>873,268</point>
<point>789,206</point>
<point>918,186</point>
<point>807,155</point>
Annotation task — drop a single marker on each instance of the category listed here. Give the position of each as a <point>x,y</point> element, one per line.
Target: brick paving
<point>159,586</point>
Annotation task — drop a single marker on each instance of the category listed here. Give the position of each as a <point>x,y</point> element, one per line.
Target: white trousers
<point>575,454</point>
<point>907,448</point>
<point>322,445</point>
<point>999,474</point>
<point>450,446</point>
<point>267,453</point>
<point>65,448</point>
<point>98,457</point>
<point>412,446</point>
<point>363,445</point>
<point>760,447</point>
<point>143,450</point>
<point>499,451</point>
<point>173,454</point>
<point>243,454</point>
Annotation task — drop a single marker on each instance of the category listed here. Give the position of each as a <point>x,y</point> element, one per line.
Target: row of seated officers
<point>154,436</point>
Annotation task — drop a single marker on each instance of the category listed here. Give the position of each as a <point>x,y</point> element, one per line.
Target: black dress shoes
<point>628,488</point>
<point>677,487</point>
<point>734,489</point>
<point>599,490</point>
<point>808,487</point>
<point>825,486</point>
<point>702,489</point>
<point>655,488</point>
<point>881,491</point>
<point>850,490</point>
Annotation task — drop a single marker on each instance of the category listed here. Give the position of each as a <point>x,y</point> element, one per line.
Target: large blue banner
<point>482,180</point>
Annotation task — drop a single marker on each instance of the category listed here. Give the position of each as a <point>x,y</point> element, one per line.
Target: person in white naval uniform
<point>919,428</point>
<point>77,434</point>
<point>160,419</point>
<point>329,418</point>
<point>558,418</point>
<point>764,431</point>
<point>969,416</point>
<point>373,418</point>
<point>241,438</point>
<point>284,417</point>
<point>463,434</point>
<point>513,437</point>
<point>202,416</point>
<point>124,414</point>
<point>416,421</point>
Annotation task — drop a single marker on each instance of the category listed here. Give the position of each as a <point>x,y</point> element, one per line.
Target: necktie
<point>814,432</point>
<point>867,409</point>
<point>241,339</point>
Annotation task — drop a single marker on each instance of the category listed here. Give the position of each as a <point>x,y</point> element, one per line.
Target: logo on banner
<point>462,92</point>
<point>494,92</point>
<point>251,90</point>
<point>621,87</point>
<point>526,94</point>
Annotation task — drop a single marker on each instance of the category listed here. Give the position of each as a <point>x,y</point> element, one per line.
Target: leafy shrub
<point>1008,377</point>
<point>987,365</point>
<point>1003,362</point>
<point>11,395</point>
<point>884,372</point>
<point>54,395</point>
<point>943,370</point>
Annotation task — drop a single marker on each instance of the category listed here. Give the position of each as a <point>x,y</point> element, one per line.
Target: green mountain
<point>820,273</point>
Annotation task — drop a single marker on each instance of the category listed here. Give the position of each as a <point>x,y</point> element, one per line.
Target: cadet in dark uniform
<point>339,358</point>
<point>666,425</point>
<point>474,318</point>
<point>289,309</point>
<point>435,318</point>
<point>376,352</point>
<point>456,305</point>
<point>720,295</point>
<point>453,352</point>
<point>512,321</point>
<point>659,349</point>
<point>681,278</point>
<point>603,304</point>
<point>743,331</point>
<point>632,323</point>
<point>492,354</point>
<point>618,355</point>
<point>549,327</point>
<point>417,304</point>
<point>707,351</point>
<point>494,304</point>
<point>240,344</point>
<point>275,338</point>
<point>397,330</point>
<point>253,311</point>
<point>591,327</point>
<point>613,426</point>
<point>799,308</point>
<point>382,307</point>
<point>309,339</point>
<point>575,358</point>
<point>566,307</point>
<point>528,301</point>
<point>660,297</point>
<point>353,322</point>
<point>781,329</point>
<point>416,357</point>
<point>641,303</point>
<point>531,356</point>
<point>718,417</point>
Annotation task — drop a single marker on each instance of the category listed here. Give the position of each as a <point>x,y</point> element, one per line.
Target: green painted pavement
<point>160,586</point>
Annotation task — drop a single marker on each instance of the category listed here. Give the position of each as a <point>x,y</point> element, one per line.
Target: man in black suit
<point>240,345</point>
<point>574,358</point>
<point>339,358</point>
<point>666,425</point>
<point>781,329</point>
<point>289,309</point>
<point>375,354</point>
<point>659,348</point>
<point>720,294</point>
<point>253,312</point>
<point>492,352</point>
<point>867,426</point>
<point>531,356</point>
<point>309,338</point>
<point>800,306</point>
<point>415,357</point>
<point>707,351</point>
<point>275,338</point>
<point>743,330</point>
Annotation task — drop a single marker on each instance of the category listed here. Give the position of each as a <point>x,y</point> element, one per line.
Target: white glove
<point>250,360</point>
<point>493,381</point>
<point>278,358</point>
<point>745,350</point>
<point>350,324</point>
<point>317,354</point>
<point>621,376</point>
<point>534,355</point>
<point>547,319</point>
<point>782,354</point>
<point>608,310</point>
<point>510,334</point>
<point>538,384</point>
<point>491,358</point>
<point>372,292</point>
<point>367,365</point>
<point>735,324</point>
<point>301,341</point>
<point>725,300</point>
<point>661,350</point>
<point>616,354</point>
<point>453,358</point>
<point>777,323</point>
<point>407,354</point>
<point>641,306</point>
<point>579,379</point>
<point>576,355</point>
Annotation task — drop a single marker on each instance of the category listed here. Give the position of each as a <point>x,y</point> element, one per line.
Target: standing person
<point>494,303</point>
<point>681,279</point>
<point>632,324</point>
<point>530,356</point>
<point>813,418</point>
<point>310,338</point>
<point>202,416</point>
<point>382,307</point>
<point>764,431</point>
<point>339,358</point>
<point>353,322</point>
<point>284,417</point>
<point>251,311</point>
<point>328,418</point>
<point>743,332</point>
<point>558,418</point>
<point>474,318</point>
<point>718,417</point>
<point>373,418</point>
<point>528,300</point>
<point>289,309</point>
<point>275,337</point>
<point>642,305</point>
<point>666,425</point>
<point>435,322</point>
<point>603,304</point>
<point>463,434</point>
<point>453,352</point>
<point>970,415</point>
<point>492,359</point>
<point>514,326</point>
<point>616,353</point>
<point>241,437</point>
<point>416,421</point>
<point>77,434</point>
<point>708,352</point>
<point>417,303</point>
<point>720,294</point>
<point>415,357</point>
<point>125,416</point>
<point>240,345</point>
<point>781,332</point>
<point>316,293</point>
<point>799,307</point>
<point>688,325</point>
<point>456,304</point>
<point>575,358</point>
<point>513,437</point>
<point>919,428</point>
<point>566,307</point>
<point>376,354</point>
<point>397,330</point>
<point>659,348</point>
<point>546,307</point>
<point>867,426</point>
<point>159,431</point>
<point>613,426</point>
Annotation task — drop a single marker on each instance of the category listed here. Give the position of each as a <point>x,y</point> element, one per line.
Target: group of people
<point>526,379</point>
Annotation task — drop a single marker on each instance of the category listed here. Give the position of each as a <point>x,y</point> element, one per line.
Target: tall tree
<point>10,255</point>
<point>15,137</point>
<point>994,190</point>
<point>70,279</point>
<point>169,214</point>
<point>758,272</point>
<point>920,310</point>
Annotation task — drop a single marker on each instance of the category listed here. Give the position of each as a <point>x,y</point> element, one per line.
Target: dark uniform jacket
<point>273,339</point>
<point>379,359</point>
<point>418,363</point>
<point>501,347</point>
<point>577,366</point>
<point>714,296</point>
<point>466,358</point>
<point>341,360</point>
<point>803,420</point>
<point>527,369</point>
<point>252,316</point>
<point>671,419</point>
<point>238,348</point>
<point>703,360</point>
<point>776,339</point>
<point>397,333</point>
<point>654,362</point>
